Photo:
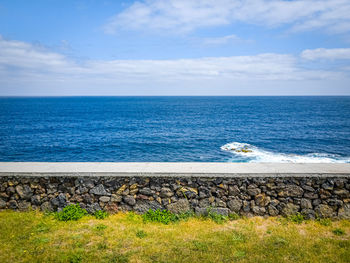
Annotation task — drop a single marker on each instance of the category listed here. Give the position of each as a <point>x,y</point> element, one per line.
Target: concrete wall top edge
<point>172,169</point>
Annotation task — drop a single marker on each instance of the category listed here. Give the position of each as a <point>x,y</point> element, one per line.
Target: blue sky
<point>174,47</point>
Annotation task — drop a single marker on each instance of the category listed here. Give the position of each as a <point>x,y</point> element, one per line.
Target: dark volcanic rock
<point>344,212</point>
<point>290,209</point>
<point>292,191</point>
<point>143,206</point>
<point>253,191</point>
<point>25,192</point>
<point>99,190</point>
<point>324,211</point>
<point>235,205</point>
<point>181,206</point>
<point>312,196</point>
<point>129,200</point>
<point>92,208</point>
<point>2,204</point>
<point>166,192</point>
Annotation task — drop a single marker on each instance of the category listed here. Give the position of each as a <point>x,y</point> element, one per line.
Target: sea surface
<point>175,129</point>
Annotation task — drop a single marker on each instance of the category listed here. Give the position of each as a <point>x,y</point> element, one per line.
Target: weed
<point>161,216</point>
<point>71,212</point>
<point>48,213</point>
<point>233,216</point>
<point>324,221</point>
<point>100,214</point>
<point>100,227</point>
<point>297,218</point>
<point>338,232</point>
<point>184,216</point>
<point>141,234</point>
<point>217,218</point>
<point>166,217</point>
<point>133,217</point>
<point>282,220</point>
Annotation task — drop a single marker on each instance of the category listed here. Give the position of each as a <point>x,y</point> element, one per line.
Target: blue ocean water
<point>174,129</point>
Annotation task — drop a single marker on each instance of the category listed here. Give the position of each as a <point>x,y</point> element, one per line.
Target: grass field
<point>35,237</point>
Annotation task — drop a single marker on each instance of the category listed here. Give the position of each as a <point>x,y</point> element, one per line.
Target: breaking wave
<point>244,152</point>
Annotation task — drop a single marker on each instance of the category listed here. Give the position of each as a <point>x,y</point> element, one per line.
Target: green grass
<point>160,216</point>
<point>36,237</point>
<point>297,218</point>
<point>338,232</point>
<point>217,218</point>
<point>100,214</point>
<point>71,212</point>
<point>165,216</point>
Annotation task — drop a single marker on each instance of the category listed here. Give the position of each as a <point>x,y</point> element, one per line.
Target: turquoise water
<point>174,129</point>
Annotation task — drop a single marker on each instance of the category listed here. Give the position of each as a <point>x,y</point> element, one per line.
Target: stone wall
<point>263,196</point>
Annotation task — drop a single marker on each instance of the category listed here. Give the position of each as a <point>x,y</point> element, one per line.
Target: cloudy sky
<point>174,47</point>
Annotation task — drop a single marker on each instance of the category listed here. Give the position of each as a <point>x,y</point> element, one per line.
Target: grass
<point>297,218</point>
<point>71,212</point>
<point>338,232</point>
<point>36,237</point>
<point>164,216</point>
<point>100,214</point>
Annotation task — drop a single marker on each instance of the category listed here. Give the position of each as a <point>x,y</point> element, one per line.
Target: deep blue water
<point>293,129</point>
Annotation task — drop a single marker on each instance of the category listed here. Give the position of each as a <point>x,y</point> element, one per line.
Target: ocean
<point>175,129</point>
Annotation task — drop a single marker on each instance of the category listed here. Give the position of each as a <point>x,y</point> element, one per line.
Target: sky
<point>174,47</point>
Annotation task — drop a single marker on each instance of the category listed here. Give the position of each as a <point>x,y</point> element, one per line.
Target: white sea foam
<point>253,154</point>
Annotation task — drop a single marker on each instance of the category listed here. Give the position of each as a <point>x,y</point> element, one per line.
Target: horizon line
<point>60,96</point>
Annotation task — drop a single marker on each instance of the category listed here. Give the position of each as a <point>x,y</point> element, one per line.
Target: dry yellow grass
<point>34,237</point>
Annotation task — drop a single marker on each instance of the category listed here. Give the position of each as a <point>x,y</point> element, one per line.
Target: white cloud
<point>324,53</point>
<point>21,54</point>
<point>221,40</point>
<point>186,15</point>
<point>23,64</point>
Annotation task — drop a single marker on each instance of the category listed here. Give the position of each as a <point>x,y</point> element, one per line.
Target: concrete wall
<point>247,189</point>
